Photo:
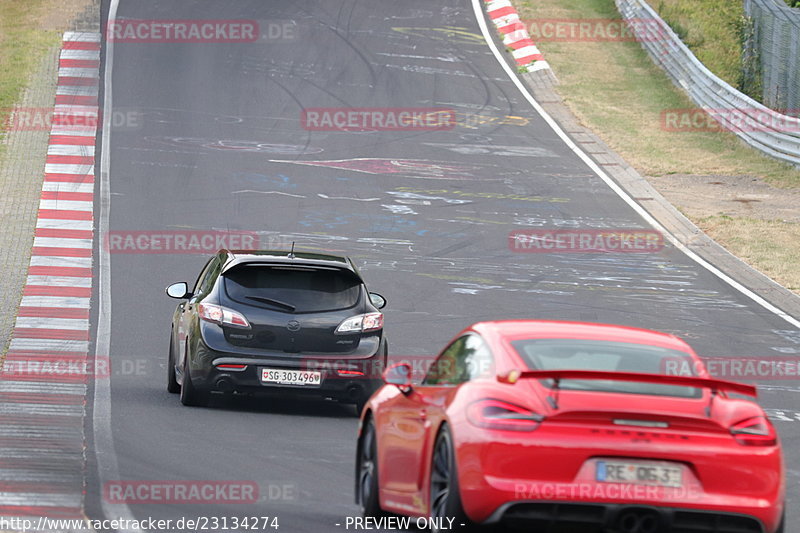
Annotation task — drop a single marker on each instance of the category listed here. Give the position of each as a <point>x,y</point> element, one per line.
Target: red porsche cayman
<point>574,427</point>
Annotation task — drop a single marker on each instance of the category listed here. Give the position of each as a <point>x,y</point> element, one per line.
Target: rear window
<point>568,354</point>
<point>292,289</point>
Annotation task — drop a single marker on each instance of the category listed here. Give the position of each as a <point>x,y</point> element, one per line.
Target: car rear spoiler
<point>716,385</point>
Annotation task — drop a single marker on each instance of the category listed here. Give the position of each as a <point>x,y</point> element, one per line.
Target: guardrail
<point>772,133</point>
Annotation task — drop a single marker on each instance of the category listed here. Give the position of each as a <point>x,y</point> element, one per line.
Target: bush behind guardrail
<point>710,92</point>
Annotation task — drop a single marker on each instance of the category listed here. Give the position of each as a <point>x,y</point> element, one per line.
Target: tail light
<point>498,414</point>
<point>755,431</point>
<point>343,372</point>
<point>222,316</point>
<point>231,366</point>
<point>361,323</point>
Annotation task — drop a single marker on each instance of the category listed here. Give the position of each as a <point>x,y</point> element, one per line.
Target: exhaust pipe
<point>224,385</point>
<point>354,392</point>
<point>638,521</point>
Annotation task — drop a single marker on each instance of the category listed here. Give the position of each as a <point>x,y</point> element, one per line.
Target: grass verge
<point>23,44</point>
<point>614,89</point>
<point>712,29</point>
<point>777,255</point>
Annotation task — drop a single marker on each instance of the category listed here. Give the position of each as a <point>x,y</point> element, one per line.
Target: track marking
<point>479,15</point>
<point>106,456</point>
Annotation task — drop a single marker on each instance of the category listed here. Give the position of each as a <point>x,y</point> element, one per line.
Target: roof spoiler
<point>716,385</point>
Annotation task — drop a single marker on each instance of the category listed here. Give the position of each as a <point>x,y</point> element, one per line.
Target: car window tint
<point>292,289</point>
<point>206,279</point>
<point>467,358</point>
<point>571,354</point>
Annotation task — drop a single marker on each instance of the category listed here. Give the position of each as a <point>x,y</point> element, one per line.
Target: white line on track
<point>69,302</point>
<point>52,345</point>
<point>479,15</point>
<point>60,242</point>
<point>68,186</point>
<point>55,261</point>
<point>107,466</point>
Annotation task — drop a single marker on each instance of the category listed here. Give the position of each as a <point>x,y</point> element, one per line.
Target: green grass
<point>614,89</point>
<point>712,29</point>
<point>22,46</point>
<point>618,92</point>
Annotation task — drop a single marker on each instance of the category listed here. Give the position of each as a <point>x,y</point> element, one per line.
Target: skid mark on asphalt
<point>412,168</point>
<point>325,196</point>
<point>450,34</point>
<point>235,145</point>
<point>250,191</point>
<point>496,150</point>
<point>783,415</point>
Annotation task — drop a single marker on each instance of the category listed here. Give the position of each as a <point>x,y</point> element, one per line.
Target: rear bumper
<point>558,464</point>
<point>568,517</point>
<point>346,387</point>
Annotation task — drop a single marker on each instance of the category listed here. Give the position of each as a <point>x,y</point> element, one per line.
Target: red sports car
<point>573,427</point>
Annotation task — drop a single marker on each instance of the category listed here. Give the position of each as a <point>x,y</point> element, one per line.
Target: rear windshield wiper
<point>270,301</point>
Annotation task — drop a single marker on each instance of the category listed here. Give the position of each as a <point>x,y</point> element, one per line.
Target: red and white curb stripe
<point>42,384</point>
<point>515,35</point>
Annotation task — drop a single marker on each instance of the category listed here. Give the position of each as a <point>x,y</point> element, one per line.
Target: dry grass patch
<point>618,92</point>
<point>771,245</point>
<point>615,90</point>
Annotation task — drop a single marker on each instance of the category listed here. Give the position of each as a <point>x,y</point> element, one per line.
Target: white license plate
<point>282,376</point>
<point>639,473</point>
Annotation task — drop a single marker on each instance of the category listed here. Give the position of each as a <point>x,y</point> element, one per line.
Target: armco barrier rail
<point>771,132</point>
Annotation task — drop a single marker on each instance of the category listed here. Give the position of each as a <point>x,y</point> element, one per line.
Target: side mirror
<point>377,300</point>
<point>399,375</point>
<point>178,290</point>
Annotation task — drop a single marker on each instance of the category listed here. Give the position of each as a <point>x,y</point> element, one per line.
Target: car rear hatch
<point>293,308</point>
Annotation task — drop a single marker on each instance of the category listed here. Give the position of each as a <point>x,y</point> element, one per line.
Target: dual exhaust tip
<point>638,521</point>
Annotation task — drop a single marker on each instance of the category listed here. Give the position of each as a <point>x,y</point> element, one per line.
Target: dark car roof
<point>238,257</point>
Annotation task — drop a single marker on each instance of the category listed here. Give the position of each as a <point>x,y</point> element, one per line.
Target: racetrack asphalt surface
<point>219,146</point>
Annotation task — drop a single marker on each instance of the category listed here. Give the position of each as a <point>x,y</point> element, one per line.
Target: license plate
<point>282,376</point>
<point>639,473</point>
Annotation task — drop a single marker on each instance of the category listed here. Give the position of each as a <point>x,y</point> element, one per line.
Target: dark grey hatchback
<point>276,322</point>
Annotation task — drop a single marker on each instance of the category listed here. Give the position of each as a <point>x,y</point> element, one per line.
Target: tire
<point>189,394</point>
<point>172,381</point>
<point>359,405</point>
<point>445,498</point>
<point>367,474</point>
<point>783,523</point>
